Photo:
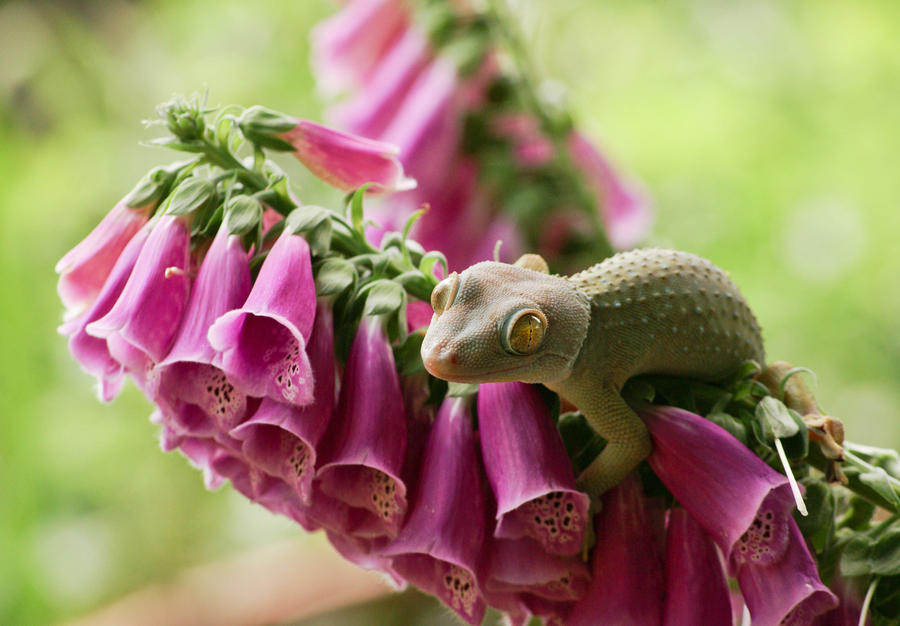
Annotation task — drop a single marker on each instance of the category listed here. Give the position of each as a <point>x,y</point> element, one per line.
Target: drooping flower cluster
<point>432,81</point>
<point>280,350</point>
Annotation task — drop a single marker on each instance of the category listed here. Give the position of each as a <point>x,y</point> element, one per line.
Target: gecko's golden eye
<point>443,295</point>
<point>524,332</point>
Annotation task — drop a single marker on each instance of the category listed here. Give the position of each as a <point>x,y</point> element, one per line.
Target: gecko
<point>645,311</point>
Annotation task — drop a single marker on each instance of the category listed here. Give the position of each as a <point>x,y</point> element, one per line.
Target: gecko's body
<point>584,336</point>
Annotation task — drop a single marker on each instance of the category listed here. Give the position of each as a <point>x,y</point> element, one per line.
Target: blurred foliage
<point>766,132</point>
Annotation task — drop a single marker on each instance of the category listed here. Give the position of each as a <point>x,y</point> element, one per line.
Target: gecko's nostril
<point>437,358</point>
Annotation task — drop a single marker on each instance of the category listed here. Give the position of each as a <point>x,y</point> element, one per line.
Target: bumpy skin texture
<point>643,311</point>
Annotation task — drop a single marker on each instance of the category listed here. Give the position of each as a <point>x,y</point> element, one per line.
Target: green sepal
<point>797,447</point>
<point>415,281</point>
<point>355,207</point>
<point>193,194</point>
<point>733,425</point>
<point>207,229</point>
<point>334,275</point>
<point>429,260</point>
<point>151,189</point>
<point>382,296</point>
<point>776,417</point>
<point>242,214</point>
<point>407,354</point>
<point>261,126</point>
<point>315,225</point>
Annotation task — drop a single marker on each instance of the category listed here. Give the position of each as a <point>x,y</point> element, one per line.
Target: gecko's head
<point>498,322</point>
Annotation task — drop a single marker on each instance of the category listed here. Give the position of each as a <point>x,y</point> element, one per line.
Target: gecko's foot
<point>590,536</point>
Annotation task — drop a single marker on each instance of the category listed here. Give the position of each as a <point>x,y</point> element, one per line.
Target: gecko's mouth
<point>446,369</point>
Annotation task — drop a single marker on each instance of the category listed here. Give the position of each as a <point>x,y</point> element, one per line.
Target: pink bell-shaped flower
<point>362,454</point>
<point>528,469</point>
<point>148,312</point>
<point>261,346</point>
<point>442,545</point>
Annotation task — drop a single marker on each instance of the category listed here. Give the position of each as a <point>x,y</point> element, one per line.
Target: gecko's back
<point>665,312</point>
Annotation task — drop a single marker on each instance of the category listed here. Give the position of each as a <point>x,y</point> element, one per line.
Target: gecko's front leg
<point>627,439</point>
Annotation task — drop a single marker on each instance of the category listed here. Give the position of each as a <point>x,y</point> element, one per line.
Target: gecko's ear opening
<point>533,262</point>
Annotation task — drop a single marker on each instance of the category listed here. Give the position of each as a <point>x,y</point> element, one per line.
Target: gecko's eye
<point>524,331</point>
<point>443,295</point>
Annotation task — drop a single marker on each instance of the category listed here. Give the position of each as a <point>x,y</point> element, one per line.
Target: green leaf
<point>242,214</point>
<point>383,296</point>
<point>334,275</point>
<point>876,551</point>
<point>877,479</point>
<point>193,194</point>
<point>777,418</point>
<point>818,526</point>
<point>407,354</point>
<point>855,557</point>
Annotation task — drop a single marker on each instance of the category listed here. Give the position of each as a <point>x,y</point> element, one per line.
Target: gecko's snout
<point>439,359</point>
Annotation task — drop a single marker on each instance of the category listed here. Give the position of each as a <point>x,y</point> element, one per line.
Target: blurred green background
<point>767,133</point>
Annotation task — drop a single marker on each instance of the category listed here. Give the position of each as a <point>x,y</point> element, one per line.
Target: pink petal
<point>148,312</point>
<point>627,585</point>
<point>696,584</point>
<point>84,269</point>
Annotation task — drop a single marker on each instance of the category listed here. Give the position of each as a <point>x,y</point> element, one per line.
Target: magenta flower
<point>625,210</point>
<point>189,385</point>
<point>522,566</point>
<point>371,110</point>
<point>696,584</point>
<point>280,438</point>
<point>626,563</point>
<point>847,613</point>
<point>441,545</point>
<point>745,506</point>
<point>528,469</point>
<point>362,455</point>
<point>84,269</point>
<point>347,46</point>
<point>262,345</point>
<point>148,312</point>
<point>740,501</point>
<point>427,125</point>
<point>92,353</point>
<point>347,161</point>
<point>788,592</point>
